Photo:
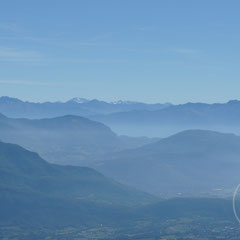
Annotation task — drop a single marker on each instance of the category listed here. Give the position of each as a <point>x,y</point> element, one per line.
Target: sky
<point>140,50</point>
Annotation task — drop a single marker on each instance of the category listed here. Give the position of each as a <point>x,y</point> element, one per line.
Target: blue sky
<point>142,50</point>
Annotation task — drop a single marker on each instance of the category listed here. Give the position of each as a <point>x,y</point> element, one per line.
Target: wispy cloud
<point>12,54</point>
<point>16,55</point>
<point>39,83</point>
<point>185,51</point>
<point>56,40</point>
<point>50,41</point>
<point>23,82</point>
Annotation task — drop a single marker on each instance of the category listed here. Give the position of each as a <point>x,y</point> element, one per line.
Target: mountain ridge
<point>188,163</point>
<point>20,167</point>
<point>13,107</point>
<point>67,139</point>
<point>164,122</point>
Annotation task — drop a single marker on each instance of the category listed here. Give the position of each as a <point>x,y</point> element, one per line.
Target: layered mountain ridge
<point>15,108</point>
<point>67,140</point>
<point>193,162</point>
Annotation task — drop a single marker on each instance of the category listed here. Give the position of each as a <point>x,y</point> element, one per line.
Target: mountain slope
<point>33,191</point>
<point>41,200</point>
<point>23,170</point>
<point>65,140</point>
<point>192,162</point>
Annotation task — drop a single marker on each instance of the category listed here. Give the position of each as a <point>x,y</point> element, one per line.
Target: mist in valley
<point>119,120</point>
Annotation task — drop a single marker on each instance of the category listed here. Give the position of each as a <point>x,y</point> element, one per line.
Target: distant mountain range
<point>134,118</point>
<point>164,122</point>
<point>191,163</point>
<point>13,107</point>
<point>66,140</point>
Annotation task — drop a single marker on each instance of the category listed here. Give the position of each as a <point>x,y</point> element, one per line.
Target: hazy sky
<point>144,50</point>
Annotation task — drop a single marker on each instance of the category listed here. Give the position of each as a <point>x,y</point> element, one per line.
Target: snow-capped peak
<point>79,100</point>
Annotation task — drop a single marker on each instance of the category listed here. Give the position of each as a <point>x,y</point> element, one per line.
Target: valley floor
<point>177,229</point>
